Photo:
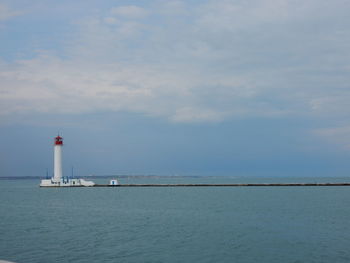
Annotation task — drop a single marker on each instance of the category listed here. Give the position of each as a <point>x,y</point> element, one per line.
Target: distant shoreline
<point>150,176</point>
<point>117,176</point>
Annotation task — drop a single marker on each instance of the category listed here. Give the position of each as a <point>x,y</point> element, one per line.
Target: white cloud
<point>6,13</point>
<point>129,11</point>
<point>173,8</point>
<point>336,105</point>
<point>48,84</point>
<point>189,114</point>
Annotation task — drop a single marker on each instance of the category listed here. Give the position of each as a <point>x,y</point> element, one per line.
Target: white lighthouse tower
<point>57,176</point>
<point>58,180</point>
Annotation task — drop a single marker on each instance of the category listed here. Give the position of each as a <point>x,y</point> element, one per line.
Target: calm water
<point>255,224</point>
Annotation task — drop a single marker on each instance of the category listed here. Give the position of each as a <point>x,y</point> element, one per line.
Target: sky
<point>212,87</point>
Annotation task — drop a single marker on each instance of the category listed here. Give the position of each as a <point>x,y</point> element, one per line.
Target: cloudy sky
<point>215,87</point>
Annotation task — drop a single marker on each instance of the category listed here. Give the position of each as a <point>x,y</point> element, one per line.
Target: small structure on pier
<point>113,182</point>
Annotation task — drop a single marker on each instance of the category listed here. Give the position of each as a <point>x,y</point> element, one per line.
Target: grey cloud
<point>208,62</point>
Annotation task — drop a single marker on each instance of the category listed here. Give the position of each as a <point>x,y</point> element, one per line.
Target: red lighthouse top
<point>58,140</point>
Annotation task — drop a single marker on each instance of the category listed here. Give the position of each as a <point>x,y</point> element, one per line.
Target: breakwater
<point>223,185</point>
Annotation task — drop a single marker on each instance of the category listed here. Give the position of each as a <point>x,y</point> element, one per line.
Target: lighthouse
<point>58,159</point>
<point>58,180</point>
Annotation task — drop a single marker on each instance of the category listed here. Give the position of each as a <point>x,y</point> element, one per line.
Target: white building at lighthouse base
<point>65,182</point>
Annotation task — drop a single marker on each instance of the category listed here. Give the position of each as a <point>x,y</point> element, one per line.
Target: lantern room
<point>58,140</point>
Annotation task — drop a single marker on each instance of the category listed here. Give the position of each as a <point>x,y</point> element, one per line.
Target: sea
<point>180,224</point>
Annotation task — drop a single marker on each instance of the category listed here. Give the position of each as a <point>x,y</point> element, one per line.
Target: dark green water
<point>247,224</point>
